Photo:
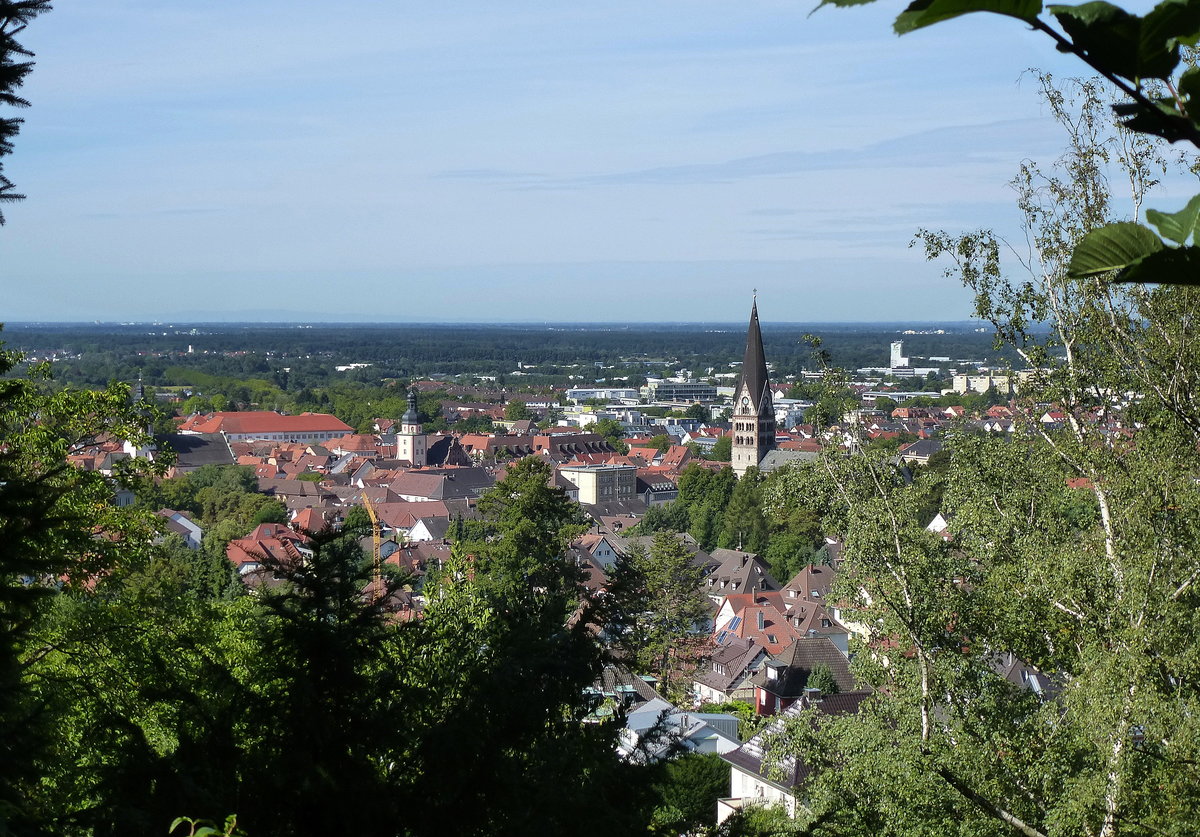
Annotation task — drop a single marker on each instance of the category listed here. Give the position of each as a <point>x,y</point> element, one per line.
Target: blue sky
<point>518,161</point>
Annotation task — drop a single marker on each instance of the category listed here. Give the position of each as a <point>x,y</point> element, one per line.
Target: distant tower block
<point>753,406</point>
<point>898,358</point>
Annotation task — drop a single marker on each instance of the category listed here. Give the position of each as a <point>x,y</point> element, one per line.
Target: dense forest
<point>305,356</point>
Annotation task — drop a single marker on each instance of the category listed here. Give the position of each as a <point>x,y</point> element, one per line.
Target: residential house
<point>752,782</point>
<point>656,729</point>
<point>183,525</point>
<point>920,451</point>
<point>270,544</point>
<point>737,572</point>
<point>783,679</point>
<point>728,670</point>
<point>758,616</point>
<point>442,484</point>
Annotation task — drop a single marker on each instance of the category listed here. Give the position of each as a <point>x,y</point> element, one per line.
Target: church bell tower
<point>410,438</point>
<point>753,406</point>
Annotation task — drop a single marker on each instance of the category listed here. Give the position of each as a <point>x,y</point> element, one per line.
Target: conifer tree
<point>15,15</point>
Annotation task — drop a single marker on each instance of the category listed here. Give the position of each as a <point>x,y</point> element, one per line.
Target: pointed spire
<point>754,363</point>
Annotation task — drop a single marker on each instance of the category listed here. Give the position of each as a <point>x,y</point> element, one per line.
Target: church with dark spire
<point>753,405</point>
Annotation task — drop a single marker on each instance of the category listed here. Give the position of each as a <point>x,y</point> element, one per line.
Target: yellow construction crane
<point>376,543</point>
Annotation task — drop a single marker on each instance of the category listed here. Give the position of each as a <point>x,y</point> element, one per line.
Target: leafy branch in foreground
<point>1142,56</point>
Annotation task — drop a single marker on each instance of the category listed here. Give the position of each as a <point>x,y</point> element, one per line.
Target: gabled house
<point>751,779</point>
<point>195,451</point>
<point>737,572</point>
<point>442,484</point>
<point>602,549</point>
<point>727,671</point>
<point>429,529</point>
<point>920,451</point>
<point>758,616</point>
<point>269,544</point>
<point>181,524</point>
<point>783,679</point>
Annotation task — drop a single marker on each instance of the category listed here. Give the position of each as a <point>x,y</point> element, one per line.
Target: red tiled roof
<point>267,422</point>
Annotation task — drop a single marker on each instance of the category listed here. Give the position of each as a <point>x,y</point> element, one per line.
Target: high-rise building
<point>753,406</point>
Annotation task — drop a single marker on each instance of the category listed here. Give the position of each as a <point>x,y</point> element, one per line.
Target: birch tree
<point>1037,672</point>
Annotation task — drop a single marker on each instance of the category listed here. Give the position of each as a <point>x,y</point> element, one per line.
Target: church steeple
<point>754,362</point>
<point>753,407</point>
<point>410,438</point>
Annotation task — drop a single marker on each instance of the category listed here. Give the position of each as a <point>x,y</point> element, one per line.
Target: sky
<point>525,161</point>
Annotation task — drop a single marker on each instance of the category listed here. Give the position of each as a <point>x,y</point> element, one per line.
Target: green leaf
<point>1113,247</point>
<point>1171,266</point>
<point>1189,85</point>
<point>1160,120</point>
<point>1179,226</point>
<point>176,823</point>
<point>1122,43</point>
<point>921,13</point>
<point>1172,21</point>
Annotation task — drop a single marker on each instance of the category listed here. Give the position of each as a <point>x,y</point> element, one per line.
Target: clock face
<point>745,400</point>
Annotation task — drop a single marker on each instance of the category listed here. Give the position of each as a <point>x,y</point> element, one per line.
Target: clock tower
<point>410,438</point>
<point>753,406</point>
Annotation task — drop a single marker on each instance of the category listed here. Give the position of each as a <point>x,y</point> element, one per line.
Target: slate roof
<point>727,663</point>
<point>921,449</point>
<point>738,572</point>
<point>436,526</point>
<point>754,364</point>
<point>445,450</point>
<point>811,583</point>
<point>193,450</point>
<point>443,484</point>
<point>775,459</point>
<point>796,663</point>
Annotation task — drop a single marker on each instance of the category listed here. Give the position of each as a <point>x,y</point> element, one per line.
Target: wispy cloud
<point>939,148</point>
<point>774,213</point>
<point>489,175</point>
